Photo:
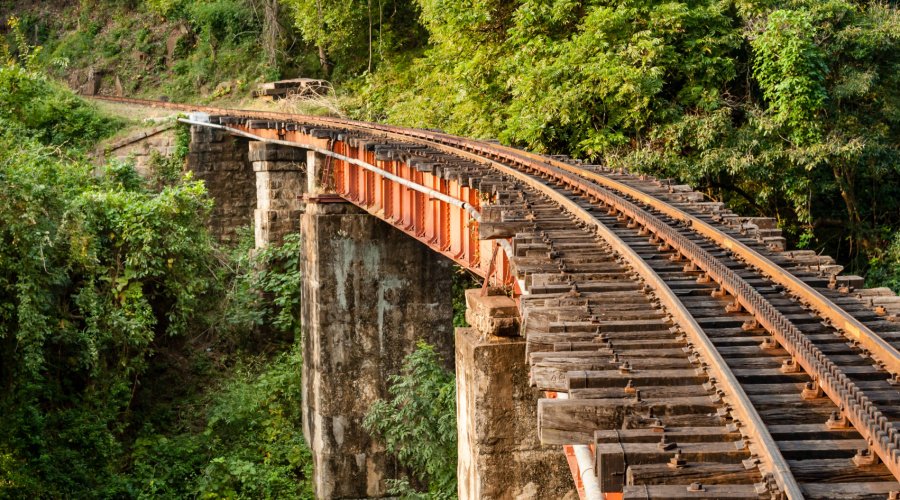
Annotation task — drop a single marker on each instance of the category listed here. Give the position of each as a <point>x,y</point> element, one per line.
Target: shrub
<point>419,425</point>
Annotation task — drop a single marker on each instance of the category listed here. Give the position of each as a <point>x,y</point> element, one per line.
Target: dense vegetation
<point>118,315</point>
<point>112,294</point>
<point>782,108</point>
<point>419,425</point>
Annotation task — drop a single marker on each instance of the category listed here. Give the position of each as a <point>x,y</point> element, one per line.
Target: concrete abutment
<point>500,454</point>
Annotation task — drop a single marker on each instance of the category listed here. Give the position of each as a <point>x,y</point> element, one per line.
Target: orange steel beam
<point>447,229</point>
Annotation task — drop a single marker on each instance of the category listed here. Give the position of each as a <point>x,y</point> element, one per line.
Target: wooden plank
<point>706,474</point>
<point>607,414</point>
<point>621,346</point>
<point>614,378</point>
<point>650,392</point>
<point>717,433</point>
<point>847,491</point>
<point>837,448</point>
<point>659,492</point>
<point>840,470</point>
<point>553,374</point>
<point>501,230</point>
<point>604,353</point>
<point>611,458</point>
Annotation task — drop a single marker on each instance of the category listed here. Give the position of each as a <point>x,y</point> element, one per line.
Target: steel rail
<point>881,435</point>
<point>883,352</point>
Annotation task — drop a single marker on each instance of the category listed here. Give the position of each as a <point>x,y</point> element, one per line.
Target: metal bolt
<point>665,445</point>
<point>678,461</point>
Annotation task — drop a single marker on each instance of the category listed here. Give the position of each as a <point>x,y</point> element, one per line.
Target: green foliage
<point>92,270</point>
<point>265,286</point>
<point>109,282</point>
<point>255,427</point>
<point>225,47</point>
<point>33,105</point>
<point>462,281</point>
<point>251,445</point>
<point>419,424</point>
<point>885,270</point>
<point>359,35</point>
<point>791,70</point>
<point>783,108</point>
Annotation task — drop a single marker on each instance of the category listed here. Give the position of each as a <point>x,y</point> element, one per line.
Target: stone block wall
<point>222,162</point>
<point>280,183</point>
<point>141,146</point>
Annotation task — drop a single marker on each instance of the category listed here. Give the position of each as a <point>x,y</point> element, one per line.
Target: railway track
<point>679,342</point>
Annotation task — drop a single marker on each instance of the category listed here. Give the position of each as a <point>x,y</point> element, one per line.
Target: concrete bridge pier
<point>221,161</point>
<point>500,454</point>
<point>369,293</point>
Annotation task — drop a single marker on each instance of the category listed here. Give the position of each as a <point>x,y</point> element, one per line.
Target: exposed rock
<point>172,43</point>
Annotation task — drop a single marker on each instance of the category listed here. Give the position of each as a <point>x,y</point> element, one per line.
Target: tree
<point>419,424</point>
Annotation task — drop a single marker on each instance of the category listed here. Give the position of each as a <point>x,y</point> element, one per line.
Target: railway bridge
<point>633,339</point>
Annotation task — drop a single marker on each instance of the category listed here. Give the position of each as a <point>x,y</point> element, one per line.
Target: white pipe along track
<point>585,460</point>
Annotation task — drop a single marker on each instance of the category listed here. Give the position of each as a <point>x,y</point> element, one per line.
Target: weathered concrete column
<point>280,182</point>
<point>500,455</point>
<point>370,292</point>
<point>220,161</point>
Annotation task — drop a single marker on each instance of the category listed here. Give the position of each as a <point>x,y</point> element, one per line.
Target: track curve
<point>712,306</point>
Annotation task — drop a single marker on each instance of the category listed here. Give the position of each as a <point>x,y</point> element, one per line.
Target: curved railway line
<point>677,341</point>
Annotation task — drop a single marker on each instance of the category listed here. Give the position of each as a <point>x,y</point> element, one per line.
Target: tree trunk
<point>323,57</point>
<point>271,32</point>
<point>845,179</point>
<point>323,60</point>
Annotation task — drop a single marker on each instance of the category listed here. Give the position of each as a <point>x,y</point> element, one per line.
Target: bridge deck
<point>675,341</point>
